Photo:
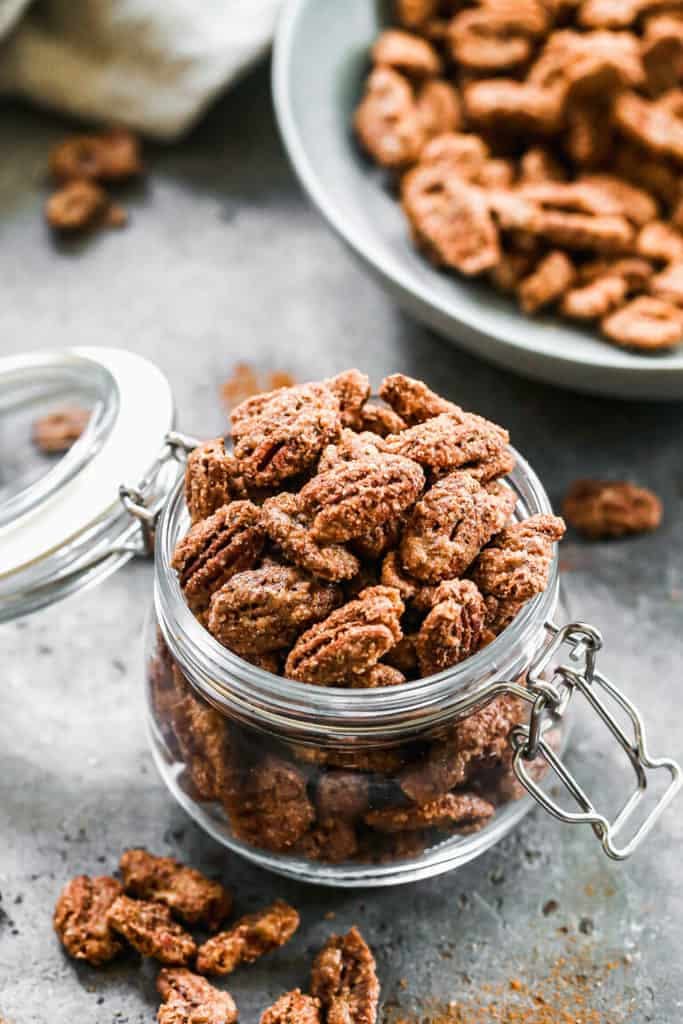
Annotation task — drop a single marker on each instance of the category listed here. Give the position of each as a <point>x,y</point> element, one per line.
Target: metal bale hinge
<point>549,702</point>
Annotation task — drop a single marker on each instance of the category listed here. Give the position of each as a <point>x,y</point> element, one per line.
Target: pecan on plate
<point>453,811</point>
<point>293,1008</point>
<point>611,508</point>
<point>350,641</point>
<point>636,203</point>
<point>416,13</point>
<point>413,401</point>
<point>387,120</point>
<point>660,241</point>
<point>150,929</point>
<point>290,530</point>
<point>228,542</point>
<point>184,890</point>
<point>466,156</point>
<point>595,299</point>
<point>481,43</point>
<point>446,443</point>
<point>450,525</point>
<point>353,498</point>
<point>80,919</point>
<point>281,434</point>
<point>650,125</point>
<point>59,430</point>
<point>452,630</point>
<point>668,284</point>
<point>76,206</point>
<point>352,388</point>
<point>646,323</point>
<point>439,107</point>
<point>112,155</point>
<point>190,999</point>
<point>344,979</point>
<point>547,283</point>
<point>478,739</point>
<point>248,939</point>
<point>407,53</point>
<point>517,562</point>
<point>211,479</point>
<point>504,104</point>
<point>271,809</point>
<point>263,610</point>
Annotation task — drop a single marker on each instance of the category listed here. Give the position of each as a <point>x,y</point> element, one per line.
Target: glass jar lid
<point>63,524</point>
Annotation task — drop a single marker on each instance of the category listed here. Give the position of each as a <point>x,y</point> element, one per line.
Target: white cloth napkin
<point>153,65</point>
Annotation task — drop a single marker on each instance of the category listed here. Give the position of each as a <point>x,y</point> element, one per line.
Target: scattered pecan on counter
<point>190,999</point>
<point>149,929</point>
<point>248,939</point>
<point>344,979</point>
<point>81,919</point>
<point>184,890</point>
<point>611,508</point>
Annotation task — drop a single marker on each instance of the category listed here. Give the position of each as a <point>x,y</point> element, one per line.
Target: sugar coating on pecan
<point>413,401</point>
<point>251,937</point>
<point>517,562</point>
<point>211,479</point>
<point>271,809</point>
<point>228,542</point>
<point>646,323</point>
<point>60,429</point>
<point>611,508</point>
<point>456,811</point>
<point>450,525</point>
<point>150,929</point>
<point>379,419</point>
<point>81,919</point>
<point>281,434</point>
<point>595,299</point>
<point>350,641</point>
<point>352,388</point>
<point>189,894</point>
<point>292,1008</point>
<point>354,497</point>
<point>476,740</point>
<point>289,529</point>
<point>263,610</point>
<point>387,121</point>
<point>344,979</point>
<point>447,442</point>
<point>351,447</point>
<point>549,281</point>
<point>190,999</point>
<point>372,545</point>
<point>452,630</point>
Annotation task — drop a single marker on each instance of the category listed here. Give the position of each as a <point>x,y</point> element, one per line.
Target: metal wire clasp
<point>549,699</point>
<point>142,501</point>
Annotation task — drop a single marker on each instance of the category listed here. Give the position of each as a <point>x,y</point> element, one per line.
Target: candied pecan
<point>344,979</point>
<point>112,155</point>
<point>611,508</point>
<point>514,266</point>
<point>496,174</point>
<point>248,939</point>
<point>350,447</point>
<point>448,442</point>
<point>329,840</point>
<point>659,241</point>
<point>450,219</point>
<point>342,795</point>
<point>386,847</point>
<point>589,133</point>
<point>636,204</point>
<point>405,52</point>
<point>292,1008</point>
<point>287,528</point>
<point>386,761</point>
<point>577,196</point>
<point>451,631</point>
<point>76,206</point>
<point>582,231</point>
<point>652,174</point>
<point>635,271</point>
<point>394,575</point>
<point>548,282</point>
<point>271,809</point>
<point>280,434</point>
<point>377,676</point>
<point>203,741</point>
<point>500,611</point>
<point>451,524</point>
<point>452,811</point>
<point>80,919</point>
<point>350,641</point>
<point>377,541</point>
<point>211,479</point>
<point>413,401</point>
<point>517,562</point>
<point>380,420</point>
<point>190,999</point>
<point>595,299</point>
<point>668,284</point>
<point>481,42</point>
<point>352,388</point>
<point>403,656</point>
<point>184,890</point>
<point>479,738</point>
<point>538,164</point>
<point>645,323</point>
<point>504,104</point>
<point>590,65</point>
<point>263,610</point>
<point>662,52</point>
<point>354,497</point>
<point>618,13</point>
<point>226,543</point>
<point>415,13</point>
<point>60,429</point>
<point>150,929</point>
<point>650,125</point>
<point>387,120</point>
<point>464,155</point>
<point>439,108</point>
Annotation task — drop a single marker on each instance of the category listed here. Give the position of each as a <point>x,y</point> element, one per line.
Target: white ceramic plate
<point>320,59</point>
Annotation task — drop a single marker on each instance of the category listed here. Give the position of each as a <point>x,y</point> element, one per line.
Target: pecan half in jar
<point>287,527</point>
<point>388,122</point>
<point>461,811</point>
<point>447,442</point>
<point>517,562</point>
<point>211,479</point>
<point>452,630</point>
<point>271,808</point>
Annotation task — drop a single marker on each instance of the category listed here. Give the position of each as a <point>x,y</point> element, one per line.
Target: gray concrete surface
<point>224,261</point>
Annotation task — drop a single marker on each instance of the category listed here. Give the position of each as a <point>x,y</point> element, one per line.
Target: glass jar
<point>364,787</point>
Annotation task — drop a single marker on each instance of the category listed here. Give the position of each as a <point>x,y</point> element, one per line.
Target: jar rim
<point>227,680</point>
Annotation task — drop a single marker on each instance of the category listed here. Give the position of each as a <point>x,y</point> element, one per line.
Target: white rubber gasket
<point>145,416</point>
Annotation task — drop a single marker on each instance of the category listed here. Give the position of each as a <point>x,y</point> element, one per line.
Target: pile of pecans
<point>95,917</point>
<point>350,543</point>
<point>541,143</point>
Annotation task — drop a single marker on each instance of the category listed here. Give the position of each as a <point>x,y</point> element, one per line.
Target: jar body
<point>374,806</point>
